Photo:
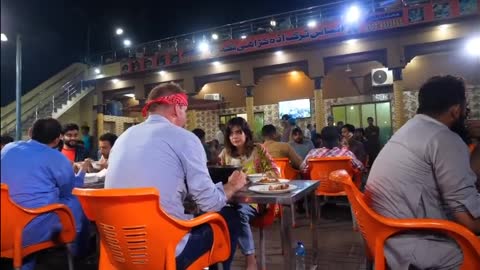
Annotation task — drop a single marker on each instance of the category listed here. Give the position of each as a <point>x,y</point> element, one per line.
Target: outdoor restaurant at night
<point>340,136</point>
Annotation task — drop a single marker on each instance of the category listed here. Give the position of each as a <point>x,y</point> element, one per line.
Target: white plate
<point>264,189</point>
<point>255,177</point>
<point>280,181</point>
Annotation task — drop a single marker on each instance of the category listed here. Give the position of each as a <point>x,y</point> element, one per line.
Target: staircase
<point>57,96</point>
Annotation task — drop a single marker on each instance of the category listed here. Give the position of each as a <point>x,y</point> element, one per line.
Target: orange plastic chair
<point>376,229</point>
<point>471,147</point>
<point>14,220</point>
<point>135,233</point>
<point>320,168</point>
<point>287,172</point>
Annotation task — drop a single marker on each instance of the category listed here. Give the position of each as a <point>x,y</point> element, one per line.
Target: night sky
<point>55,31</point>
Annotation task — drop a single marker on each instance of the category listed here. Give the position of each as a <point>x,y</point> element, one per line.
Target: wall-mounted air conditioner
<point>215,96</point>
<point>381,77</point>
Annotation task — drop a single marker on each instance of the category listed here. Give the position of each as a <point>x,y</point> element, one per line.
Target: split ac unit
<point>381,77</point>
<point>215,96</point>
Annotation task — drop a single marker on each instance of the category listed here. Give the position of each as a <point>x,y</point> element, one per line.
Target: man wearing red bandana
<point>161,153</point>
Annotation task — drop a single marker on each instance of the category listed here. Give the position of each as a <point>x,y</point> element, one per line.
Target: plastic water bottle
<point>300,256</point>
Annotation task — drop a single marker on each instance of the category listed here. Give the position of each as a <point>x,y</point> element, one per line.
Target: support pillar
<point>249,105</point>
<point>398,96</point>
<point>100,122</point>
<point>318,101</point>
<point>98,101</point>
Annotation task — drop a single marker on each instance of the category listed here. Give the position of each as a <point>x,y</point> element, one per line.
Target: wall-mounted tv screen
<point>299,108</point>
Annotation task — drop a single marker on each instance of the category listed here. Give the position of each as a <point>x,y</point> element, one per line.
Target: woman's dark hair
<point>243,125</point>
<point>439,93</point>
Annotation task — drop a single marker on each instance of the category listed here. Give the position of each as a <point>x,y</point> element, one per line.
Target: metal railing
<point>48,104</point>
<point>271,23</point>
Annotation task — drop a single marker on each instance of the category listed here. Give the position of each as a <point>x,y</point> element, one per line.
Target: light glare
<point>97,71</point>
<point>127,42</point>
<point>312,23</point>
<point>353,15</point>
<point>119,31</point>
<point>203,46</point>
<point>214,36</point>
<point>4,37</point>
<point>473,46</point>
<point>443,27</point>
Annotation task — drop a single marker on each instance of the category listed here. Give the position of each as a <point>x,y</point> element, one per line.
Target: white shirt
<point>220,137</point>
<point>307,134</point>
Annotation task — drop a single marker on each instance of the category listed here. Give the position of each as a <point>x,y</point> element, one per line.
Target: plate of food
<point>270,181</point>
<point>273,189</point>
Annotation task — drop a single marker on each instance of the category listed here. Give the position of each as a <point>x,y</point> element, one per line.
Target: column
<point>98,101</point>
<point>100,120</point>
<point>318,101</point>
<point>398,96</point>
<point>249,105</point>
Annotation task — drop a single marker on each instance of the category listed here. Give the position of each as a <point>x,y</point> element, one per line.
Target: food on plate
<point>279,187</point>
<point>266,180</point>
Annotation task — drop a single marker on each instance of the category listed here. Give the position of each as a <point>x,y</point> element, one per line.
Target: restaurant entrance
<point>357,114</point>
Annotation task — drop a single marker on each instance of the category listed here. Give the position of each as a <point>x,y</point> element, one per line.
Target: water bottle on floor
<point>300,256</point>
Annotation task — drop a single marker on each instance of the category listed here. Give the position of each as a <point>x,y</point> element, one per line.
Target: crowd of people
<point>424,171</point>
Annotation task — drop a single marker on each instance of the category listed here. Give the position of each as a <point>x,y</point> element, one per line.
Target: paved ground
<point>340,248</point>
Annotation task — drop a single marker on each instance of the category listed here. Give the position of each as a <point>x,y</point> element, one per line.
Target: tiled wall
<point>116,124</point>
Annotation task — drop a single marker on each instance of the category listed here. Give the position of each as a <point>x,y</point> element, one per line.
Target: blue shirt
<point>303,148</point>
<point>37,175</point>
<point>156,153</point>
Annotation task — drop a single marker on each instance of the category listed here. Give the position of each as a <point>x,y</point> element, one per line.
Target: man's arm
<point>294,158</point>
<point>208,196</point>
<point>455,179</point>
<point>64,176</point>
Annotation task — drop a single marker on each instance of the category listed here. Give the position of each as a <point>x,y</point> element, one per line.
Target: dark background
<point>55,31</point>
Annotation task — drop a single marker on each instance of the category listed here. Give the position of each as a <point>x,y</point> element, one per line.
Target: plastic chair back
<point>136,233</point>
<point>376,229</point>
<point>14,218</point>
<point>286,170</point>
<point>320,168</point>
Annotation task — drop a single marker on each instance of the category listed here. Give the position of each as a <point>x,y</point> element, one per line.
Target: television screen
<point>299,108</point>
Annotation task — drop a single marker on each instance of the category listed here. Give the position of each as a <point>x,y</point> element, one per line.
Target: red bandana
<point>175,99</point>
